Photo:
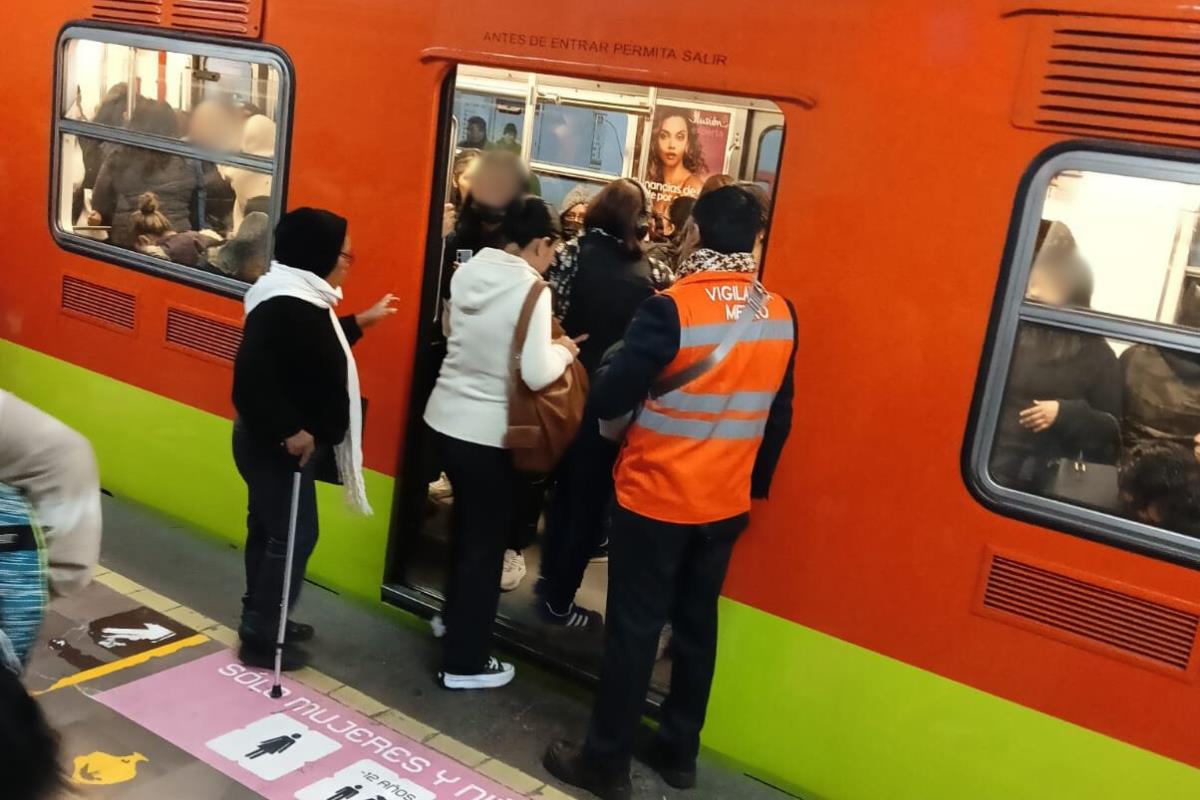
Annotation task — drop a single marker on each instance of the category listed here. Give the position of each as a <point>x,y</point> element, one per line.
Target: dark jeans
<point>487,489</point>
<point>267,470</point>
<point>659,572</point>
<point>577,519</point>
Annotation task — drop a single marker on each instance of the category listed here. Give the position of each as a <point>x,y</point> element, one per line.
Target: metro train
<point>900,620</point>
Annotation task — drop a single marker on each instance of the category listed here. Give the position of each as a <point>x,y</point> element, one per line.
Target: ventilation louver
<point>97,303</point>
<point>1112,78</point>
<point>1117,621</point>
<point>203,334</point>
<point>228,17</point>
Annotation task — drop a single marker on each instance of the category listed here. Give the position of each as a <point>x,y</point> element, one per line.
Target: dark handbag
<point>541,425</point>
<point>325,467</point>
<point>1084,483</point>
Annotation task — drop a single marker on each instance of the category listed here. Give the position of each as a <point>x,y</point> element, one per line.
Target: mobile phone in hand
<point>462,256</point>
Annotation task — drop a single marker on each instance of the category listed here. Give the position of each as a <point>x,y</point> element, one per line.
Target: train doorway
<point>574,136</point>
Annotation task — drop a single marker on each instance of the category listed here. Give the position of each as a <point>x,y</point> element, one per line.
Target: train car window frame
<point>1012,308</point>
<point>276,166</point>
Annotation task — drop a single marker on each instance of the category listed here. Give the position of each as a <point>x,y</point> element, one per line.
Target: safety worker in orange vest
<point>713,400</point>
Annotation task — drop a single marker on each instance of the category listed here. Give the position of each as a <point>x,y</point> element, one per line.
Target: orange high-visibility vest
<point>688,454</point>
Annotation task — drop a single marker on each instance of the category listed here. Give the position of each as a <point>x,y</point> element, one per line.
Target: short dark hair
<point>620,210</point>
<point>529,218</point>
<point>680,210</point>
<point>729,219</point>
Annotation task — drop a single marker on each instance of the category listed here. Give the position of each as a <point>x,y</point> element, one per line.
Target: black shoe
<point>575,618</point>
<point>253,655</point>
<point>675,772</point>
<point>298,632</point>
<point>568,763</point>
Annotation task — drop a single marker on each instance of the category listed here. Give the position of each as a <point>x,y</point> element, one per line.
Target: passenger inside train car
<point>592,152</point>
<point>198,133</point>
<point>1107,422</point>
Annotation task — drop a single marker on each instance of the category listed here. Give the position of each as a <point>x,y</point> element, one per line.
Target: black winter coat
<point>127,174</point>
<point>1081,372</point>
<point>608,286</point>
<point>290,372</point>
<point>1161,400</point>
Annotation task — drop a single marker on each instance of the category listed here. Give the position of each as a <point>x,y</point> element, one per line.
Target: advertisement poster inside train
<point>687,145</point>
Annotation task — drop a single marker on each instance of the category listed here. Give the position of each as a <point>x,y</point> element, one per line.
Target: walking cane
<point>276,689</point>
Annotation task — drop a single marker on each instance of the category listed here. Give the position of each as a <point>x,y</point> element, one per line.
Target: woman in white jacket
<point>468,409</point>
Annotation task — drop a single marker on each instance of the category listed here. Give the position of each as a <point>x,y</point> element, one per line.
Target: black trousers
<point>659,572</point>
<point>267,470</point>
<point>577,518</point>
<point>491,506</point>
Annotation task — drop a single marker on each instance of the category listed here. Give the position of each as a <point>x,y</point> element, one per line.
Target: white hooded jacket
<point>470,400</point>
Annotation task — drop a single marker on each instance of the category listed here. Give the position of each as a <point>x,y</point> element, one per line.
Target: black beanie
<point>310,239</point>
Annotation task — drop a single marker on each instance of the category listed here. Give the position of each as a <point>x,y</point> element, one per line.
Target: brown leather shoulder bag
<point>541,424</point>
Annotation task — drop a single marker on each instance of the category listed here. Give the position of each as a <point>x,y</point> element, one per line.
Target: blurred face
<point>345,260</point>
<point>475,133</point>
<point>214,127</point>
<point>1045,287</point>
<point>672,140</point>
<point>495,187</point>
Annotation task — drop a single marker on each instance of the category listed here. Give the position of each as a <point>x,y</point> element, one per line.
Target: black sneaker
<point>568,763</point>
<point>298,632</point>
<point>657,755</point>
<point>253,655</point>
<point>600,554</point>
<point>574,618</point>
<point>495,674</point>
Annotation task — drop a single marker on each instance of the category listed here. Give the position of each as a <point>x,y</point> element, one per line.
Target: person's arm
<point>779,424</point>
<point>352,328</point>
<point>1089,424</point>
<point>104,195</point>
<point>542,361</point>
<point>259,393</point>
<point>651,342</point>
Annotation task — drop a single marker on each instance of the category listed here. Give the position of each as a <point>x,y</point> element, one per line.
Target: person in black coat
<point>600,280</point>
<point>1063,397</point>
<point>129,172</point>
<point>292,390</point>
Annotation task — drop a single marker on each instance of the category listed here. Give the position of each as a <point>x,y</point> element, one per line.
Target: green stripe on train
<point>818,716</point>
<point>177,459</point>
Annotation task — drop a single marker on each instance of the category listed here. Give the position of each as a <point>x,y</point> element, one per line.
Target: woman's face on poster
<point>672,140</point>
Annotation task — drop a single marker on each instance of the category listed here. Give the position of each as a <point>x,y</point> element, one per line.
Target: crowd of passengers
<point>613,301</point>
<point>1080,423</point>
<point>195,213</point>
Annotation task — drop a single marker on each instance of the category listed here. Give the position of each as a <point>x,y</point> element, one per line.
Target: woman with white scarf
<point>296,391</point>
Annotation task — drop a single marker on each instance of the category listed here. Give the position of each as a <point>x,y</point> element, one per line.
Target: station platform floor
<point>137,674</point>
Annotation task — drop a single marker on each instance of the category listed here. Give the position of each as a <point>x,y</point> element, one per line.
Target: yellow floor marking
<point>125,663</point>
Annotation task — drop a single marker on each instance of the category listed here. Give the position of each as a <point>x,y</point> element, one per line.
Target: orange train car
<point>913,613</point>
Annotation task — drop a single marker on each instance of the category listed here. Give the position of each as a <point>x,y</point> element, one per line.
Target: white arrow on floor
<point>150,632</point>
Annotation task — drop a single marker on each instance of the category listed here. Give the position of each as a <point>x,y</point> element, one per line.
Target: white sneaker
<point>438,626</point>
<point>497,673</point>
<point>514,571</point>
<point>440,491</point>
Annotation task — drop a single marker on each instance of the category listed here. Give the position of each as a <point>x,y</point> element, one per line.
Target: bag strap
<point>755,303</point>
<point>521,332</point>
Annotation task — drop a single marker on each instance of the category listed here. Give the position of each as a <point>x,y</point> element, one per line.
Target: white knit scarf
<point>284,281</point>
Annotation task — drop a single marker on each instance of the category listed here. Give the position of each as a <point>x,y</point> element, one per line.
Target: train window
<point>487,121</point>
<point>766,166</point>
<point>1090,414</point>
<point>167,151</point>
<point>580,137</point>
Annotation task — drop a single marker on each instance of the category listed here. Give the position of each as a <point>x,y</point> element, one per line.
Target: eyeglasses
<point>349,257</point>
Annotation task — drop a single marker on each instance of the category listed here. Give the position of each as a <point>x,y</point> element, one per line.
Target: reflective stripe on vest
<point>702,429</point>
<point>679,400</point>
<point>713,334</point>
